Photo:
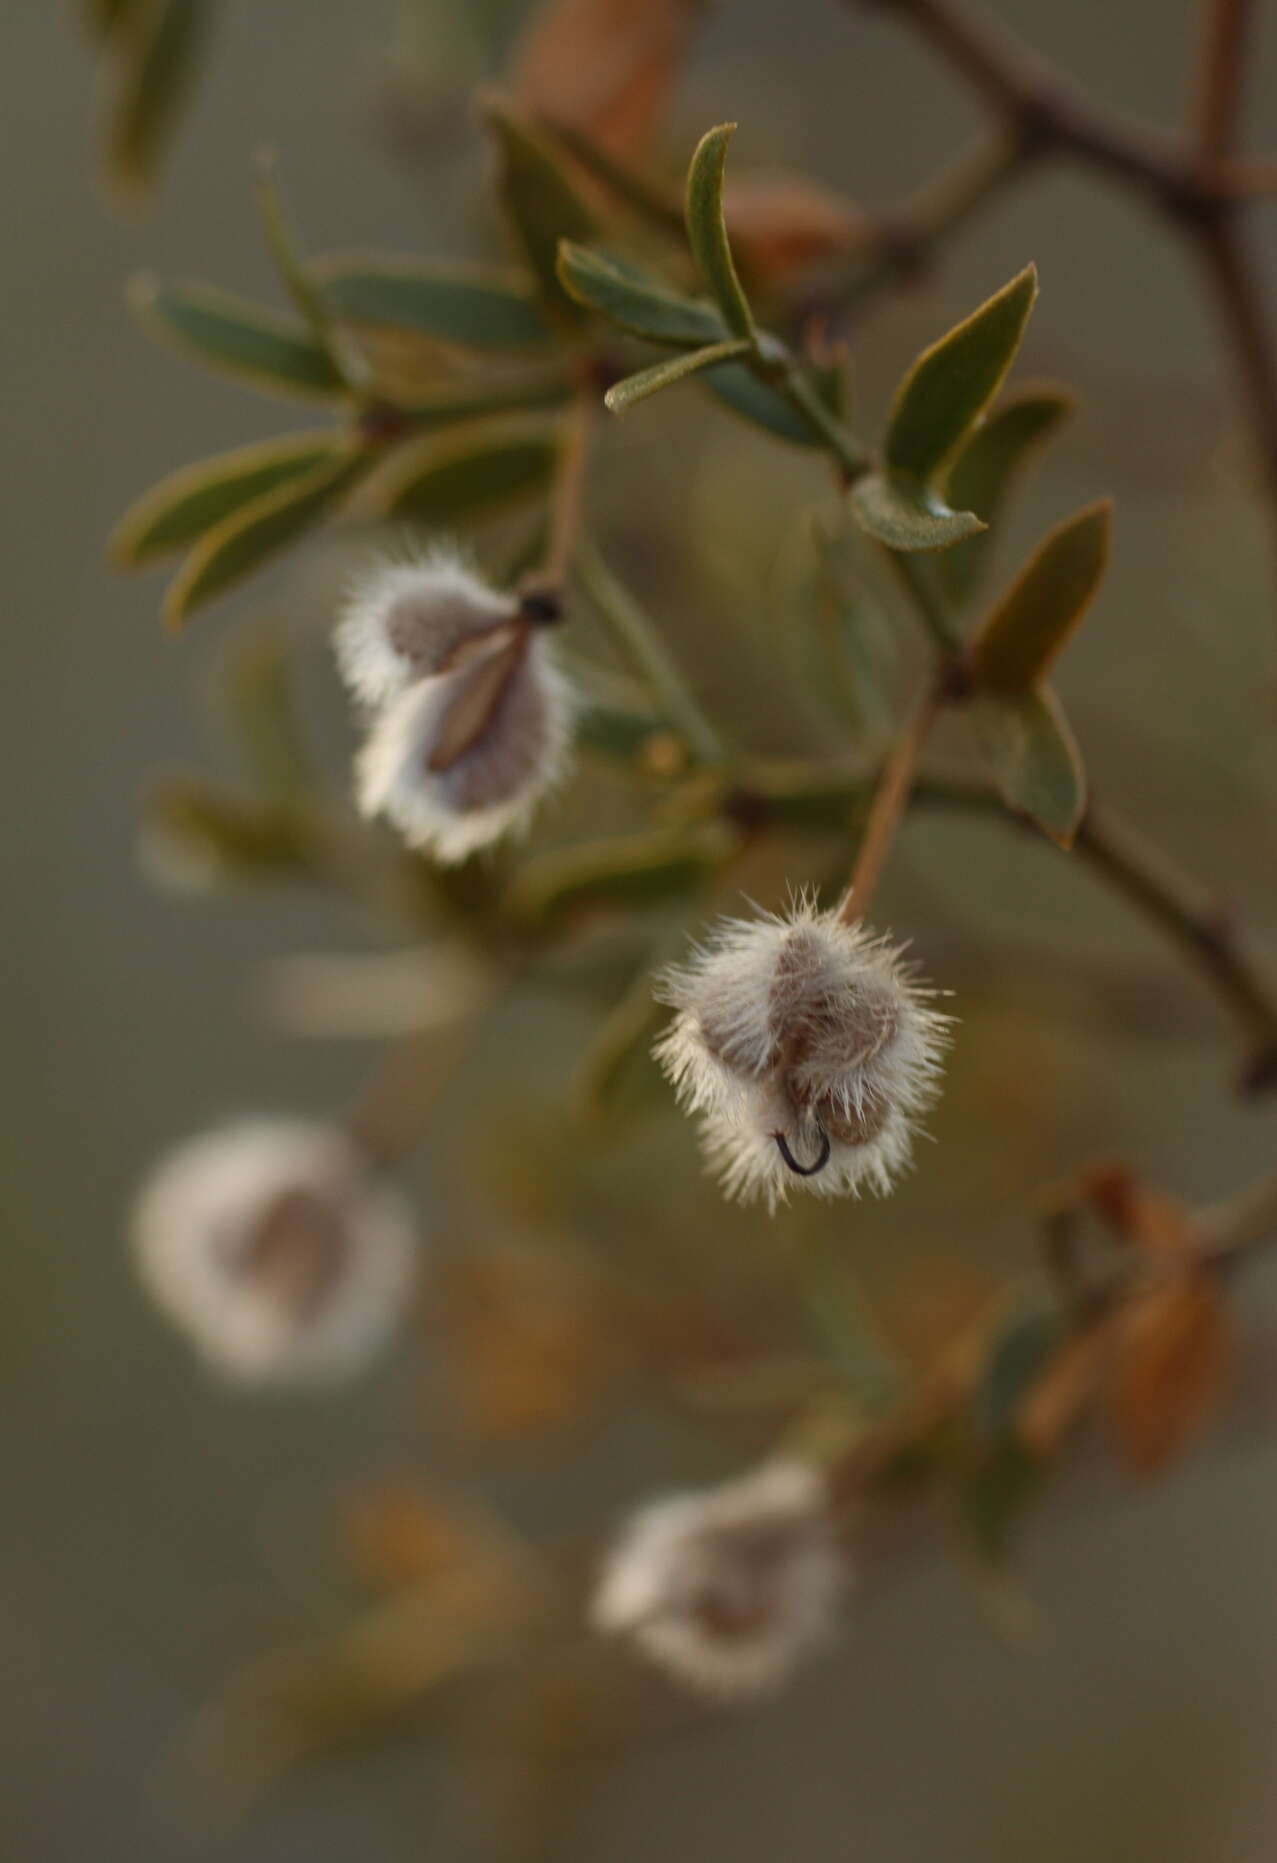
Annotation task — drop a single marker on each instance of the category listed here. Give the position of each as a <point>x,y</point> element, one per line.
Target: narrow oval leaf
<point>473,306</point>
<point>805,798</point>
<point>707,229</point>
<point>196,837</point>
<point>994,1495</point>
<point>1172,1352</point>
<point>240,338</point>
<point>952,382</point>
<point>260,530</point>
<point>465,473</point>
<point>1019,1353</point>
<point>615,733</point>
<point>620,1048</point>
<point>746,394</point>
<point>623,395</point>
<point>1024,635</point>
<point>628,871</point>
<point>497,395</point>
<point>651,199</point>
<point>160,46</point>
<point>260,702</point>
<point>1033,758</point>
<point>541,204</point>
<point>783,226</point>
<point>986,469</point>
<point>636,301</point>
<point>188,502</point>
<point>841,1317</point>
<point>104,17</point>
<point>906,516</point>
<point>605,66</point>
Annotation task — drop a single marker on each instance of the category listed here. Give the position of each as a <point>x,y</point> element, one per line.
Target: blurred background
<point>161,1531</point>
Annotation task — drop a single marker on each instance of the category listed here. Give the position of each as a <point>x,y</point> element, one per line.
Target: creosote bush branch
<point>806,1044</point>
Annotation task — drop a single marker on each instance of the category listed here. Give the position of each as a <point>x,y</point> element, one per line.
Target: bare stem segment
<point>890,804</point>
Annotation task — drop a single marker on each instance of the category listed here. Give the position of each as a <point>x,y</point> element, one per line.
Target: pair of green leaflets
<point>943,467</point>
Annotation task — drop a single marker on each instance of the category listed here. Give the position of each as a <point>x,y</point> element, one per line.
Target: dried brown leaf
<point>1172,1347</point>
<point>782,225</point>
<point>533,1339</point>
<point>1061,1394</point>
<point>605,67</point>
<point>400,1535</point>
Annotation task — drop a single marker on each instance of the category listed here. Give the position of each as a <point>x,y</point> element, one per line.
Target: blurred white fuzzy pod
<point>807,1048</point>
<point>271,1244</point>
<point>727,1590</point>
<point>404,622</point>
<point>472,722</point>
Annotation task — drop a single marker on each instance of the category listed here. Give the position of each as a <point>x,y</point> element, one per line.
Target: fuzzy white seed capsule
<point>404,622</point>
<point>460,760</point>
<point>727,1589</point>
<point>270,1244</point>
<point>808,1050</point>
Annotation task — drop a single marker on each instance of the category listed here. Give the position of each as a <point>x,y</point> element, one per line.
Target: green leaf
<point>620,1048</point>
<point>806,798</point>
<point>625,871</point>
<point>500,395</point>
<point>1027,1339</point>
<point>196,837</point>
<point>188,502</point>
<point>755,400</point>
<point>635,300</point>
<point>653,201</point>
<point>952,382</point>
<point>983,474</point>
<point>622,395</point>
<point>250,536</point>
<point>906,516</point>
<point>465,472</point>
<point>1024,635</point>
<point>541,205</point>
<point>1033,758</point>
<point>260,701</point>
<point>994,1495</point>
<point>707,230</point>
<point>104,17</point>
<point>284,244</point>
<point>473,306</point>
<point>841,1317</point>
<point>159,46</point>
<point>615,733</point>
<point>240,338</point>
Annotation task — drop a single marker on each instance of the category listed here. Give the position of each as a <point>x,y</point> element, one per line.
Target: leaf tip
<point>141,291</point>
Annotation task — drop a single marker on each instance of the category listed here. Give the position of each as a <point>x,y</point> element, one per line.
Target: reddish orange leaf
<point>784,224</point>
<point>605,67</point>
<point>1172,1350</point>
<point>1060,1395</point>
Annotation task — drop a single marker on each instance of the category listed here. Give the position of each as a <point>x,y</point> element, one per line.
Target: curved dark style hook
<point>804,1170</point>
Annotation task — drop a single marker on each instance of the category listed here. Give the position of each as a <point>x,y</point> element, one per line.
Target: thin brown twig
<point>890,803</point>
<point>1221,71</point>
<point>1045,110</point>
<point>1183,909</point>
<point>1191,182</point>
<point>568,496</point>
<point>1233,279</point>
<point>1173,901</point>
